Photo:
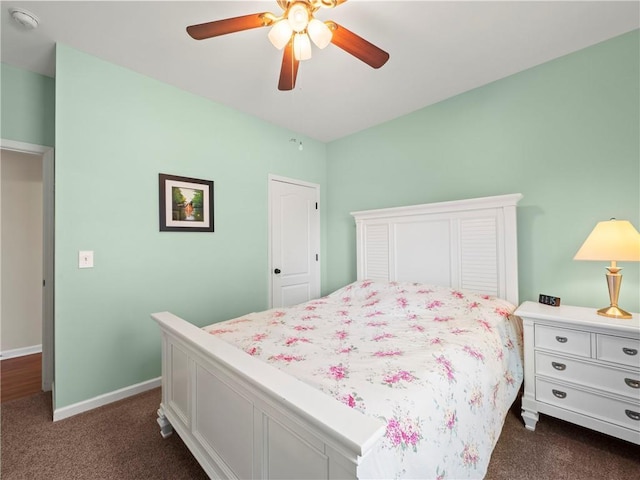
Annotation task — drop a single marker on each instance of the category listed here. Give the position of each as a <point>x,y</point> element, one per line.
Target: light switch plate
<point>85,259</point>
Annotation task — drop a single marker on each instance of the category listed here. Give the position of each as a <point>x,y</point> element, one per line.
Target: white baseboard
<point>20,352</point>
<point>105,399</point>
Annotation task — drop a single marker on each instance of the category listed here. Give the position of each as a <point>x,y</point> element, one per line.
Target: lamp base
<point>614,312</point>
<point>614,279</point>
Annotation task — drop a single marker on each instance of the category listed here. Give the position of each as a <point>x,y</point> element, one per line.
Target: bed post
<point>165,427</point>
<point>511,248</point>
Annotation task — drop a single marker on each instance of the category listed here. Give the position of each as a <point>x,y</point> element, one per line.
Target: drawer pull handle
<point>632,415</point>
<point>632,383</point>
<point>564,340</point>
<point>630,351</point>
<point>560,394</point>
<point>558,366</point>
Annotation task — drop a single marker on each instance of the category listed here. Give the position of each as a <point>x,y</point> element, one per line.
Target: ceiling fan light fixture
<point>319,33</point>
<point>301,47</point>
<point>293,33</point>
<point>298,17</point>
<point>280,34</point>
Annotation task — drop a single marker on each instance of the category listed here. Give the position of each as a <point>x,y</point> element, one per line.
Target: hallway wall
<point>21,240</point>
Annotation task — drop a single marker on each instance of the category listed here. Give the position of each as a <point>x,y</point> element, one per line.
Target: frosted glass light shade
<point>298,17</point>
<point>611,240</point>
<point>280,34</point>
<point>319,33</point>
<point>301,47</point>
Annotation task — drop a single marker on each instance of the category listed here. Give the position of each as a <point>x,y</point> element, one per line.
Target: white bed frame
<point>242,418</point>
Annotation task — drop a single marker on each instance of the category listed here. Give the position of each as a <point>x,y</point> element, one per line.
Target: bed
<point>408,372</point>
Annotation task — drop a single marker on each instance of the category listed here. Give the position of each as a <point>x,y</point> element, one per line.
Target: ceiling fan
<point>292,31</point>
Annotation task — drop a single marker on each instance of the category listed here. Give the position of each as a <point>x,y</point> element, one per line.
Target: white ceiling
<point>438,49</point>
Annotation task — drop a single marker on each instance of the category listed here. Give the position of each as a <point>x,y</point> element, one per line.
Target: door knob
<point>276,271</point>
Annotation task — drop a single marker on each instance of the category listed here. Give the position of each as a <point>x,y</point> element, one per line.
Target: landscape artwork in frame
<point>186,204</point>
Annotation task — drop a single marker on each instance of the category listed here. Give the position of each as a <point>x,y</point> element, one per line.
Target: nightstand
<point>581,367</point>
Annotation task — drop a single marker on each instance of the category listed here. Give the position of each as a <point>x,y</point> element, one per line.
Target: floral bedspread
<point>439,366</point>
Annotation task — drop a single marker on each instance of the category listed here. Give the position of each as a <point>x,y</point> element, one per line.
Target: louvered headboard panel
<point>470,244</point>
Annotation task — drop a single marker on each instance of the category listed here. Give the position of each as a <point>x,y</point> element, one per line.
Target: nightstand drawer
<point>600,377</point>
<point>619,350</point>
<point>563,340</point>
<point>624,414</point>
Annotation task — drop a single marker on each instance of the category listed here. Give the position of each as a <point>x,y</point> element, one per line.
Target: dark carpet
<point>558,450</point>
<point>118,441</point>
<point>122,441</point>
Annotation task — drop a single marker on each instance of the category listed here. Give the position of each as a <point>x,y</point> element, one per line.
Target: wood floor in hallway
<point>20,377</point>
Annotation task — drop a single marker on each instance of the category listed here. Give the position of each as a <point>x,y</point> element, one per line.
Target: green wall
<point>115,132</point>
<point>565,134</point>
<point>28,101</point>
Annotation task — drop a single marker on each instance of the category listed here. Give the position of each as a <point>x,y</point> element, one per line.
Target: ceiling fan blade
<point>229,25</point>
<point>289,69</point>
<point>358,46</point>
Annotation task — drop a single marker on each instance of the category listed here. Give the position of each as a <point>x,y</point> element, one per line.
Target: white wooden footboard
<point>242,418</point>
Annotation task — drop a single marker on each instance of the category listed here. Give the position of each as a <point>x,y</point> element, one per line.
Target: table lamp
<point>612,240</point>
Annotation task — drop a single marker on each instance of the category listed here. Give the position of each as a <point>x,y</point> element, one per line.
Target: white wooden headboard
<point>470,244</point>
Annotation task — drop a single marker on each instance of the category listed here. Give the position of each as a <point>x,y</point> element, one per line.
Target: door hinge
<point>316,257</point>
<point>316,205</point>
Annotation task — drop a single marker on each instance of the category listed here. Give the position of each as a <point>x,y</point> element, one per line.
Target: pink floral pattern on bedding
<point>439,366</point>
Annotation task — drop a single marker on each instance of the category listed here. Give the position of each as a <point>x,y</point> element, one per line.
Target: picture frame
<point>186,204</point>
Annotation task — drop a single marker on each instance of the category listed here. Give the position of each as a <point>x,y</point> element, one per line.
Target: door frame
<point>277,178</point>
<point>48,222</point>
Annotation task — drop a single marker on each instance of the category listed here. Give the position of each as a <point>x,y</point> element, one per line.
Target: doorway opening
<point>26,264</point>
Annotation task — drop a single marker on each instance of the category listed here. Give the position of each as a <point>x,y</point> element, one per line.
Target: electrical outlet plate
<point>549,300</point>
<point>85,259</point>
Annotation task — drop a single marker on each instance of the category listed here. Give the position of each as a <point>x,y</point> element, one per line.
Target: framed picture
<point>186,204</point>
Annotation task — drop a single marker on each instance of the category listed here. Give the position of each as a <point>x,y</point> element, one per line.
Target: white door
<point>295,241</point>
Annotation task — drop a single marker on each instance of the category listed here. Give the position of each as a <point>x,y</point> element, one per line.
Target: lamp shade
<point>280,34</point>
<point>611,240</point>
<point>301,46</point>
<point>319,33</point>
<point>298,17</point>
